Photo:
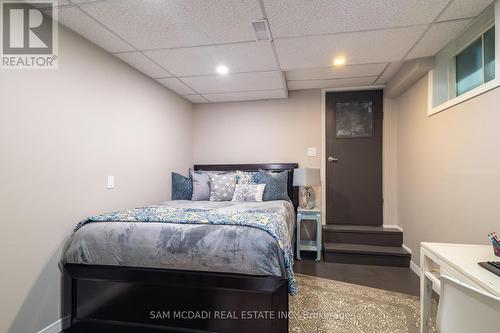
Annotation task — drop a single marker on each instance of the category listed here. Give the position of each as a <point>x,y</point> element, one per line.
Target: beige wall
<point>277,130</point>
<point>62,132</point>
<point>390,162</point>
<point>448,169</point>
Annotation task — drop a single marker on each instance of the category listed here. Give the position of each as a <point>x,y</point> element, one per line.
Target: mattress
<point>208,247</point>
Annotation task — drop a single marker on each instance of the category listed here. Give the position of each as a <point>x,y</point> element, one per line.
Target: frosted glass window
<point>471,72</point>
<point>489,55</point>
<point>469,69</point>
<point>466,66</point>
<point>354,119</point>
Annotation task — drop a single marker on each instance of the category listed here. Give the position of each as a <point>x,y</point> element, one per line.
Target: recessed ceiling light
<point>339,61</point>
<point>222,70</point>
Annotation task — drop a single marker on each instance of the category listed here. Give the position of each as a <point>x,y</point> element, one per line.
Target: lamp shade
<point>306,177</point>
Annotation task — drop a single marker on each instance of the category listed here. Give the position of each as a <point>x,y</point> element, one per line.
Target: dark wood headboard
<point>293,192</point>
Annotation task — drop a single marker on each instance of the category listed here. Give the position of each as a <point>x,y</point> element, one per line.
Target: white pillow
<point>248,192</point>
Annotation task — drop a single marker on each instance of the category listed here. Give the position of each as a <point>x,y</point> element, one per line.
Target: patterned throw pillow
<point>182,187</point>
<point>276,185</point>
<point>222,186</point>
<point>248,192</point>
<point>245,177</point>
<point>201,187</point>
<point>211,172</point>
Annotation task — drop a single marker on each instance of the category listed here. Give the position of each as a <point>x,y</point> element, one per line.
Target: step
<point>360,234</point>
<point>366,254</point>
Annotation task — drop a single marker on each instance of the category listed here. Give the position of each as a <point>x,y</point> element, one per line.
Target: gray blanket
<point>202,247</point>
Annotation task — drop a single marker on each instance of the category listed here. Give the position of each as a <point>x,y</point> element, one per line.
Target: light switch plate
<point>111,182</point>
<point>311,152</point>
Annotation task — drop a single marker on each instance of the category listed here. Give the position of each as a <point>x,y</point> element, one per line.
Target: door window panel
<point>354,119</point>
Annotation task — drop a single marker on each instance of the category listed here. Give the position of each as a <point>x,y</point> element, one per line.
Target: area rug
<point>328,306</point>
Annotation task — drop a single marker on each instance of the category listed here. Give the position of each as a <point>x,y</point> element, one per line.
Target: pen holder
<point>496,249</point>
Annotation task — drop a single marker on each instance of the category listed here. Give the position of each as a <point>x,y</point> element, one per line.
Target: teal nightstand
<point>303,245</point>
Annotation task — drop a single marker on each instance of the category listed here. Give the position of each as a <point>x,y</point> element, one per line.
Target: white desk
<point>458,261</point>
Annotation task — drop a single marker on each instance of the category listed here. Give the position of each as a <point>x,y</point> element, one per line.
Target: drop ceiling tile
<point>235,82</point>
<point>176,86</point>
<point>162,24</point>
<point>59,3</point>
<point>437,37</point>
<point>464,8</point>
<point>245,57</point>
<point>246,96</point>
<point>84,1</point>
<point>359,47</point>
<point>195,98</point>
<point>333,83</point>
<point>336,72</point>
<point>299,17</point>
<point>391,70</point>
<point>46,5</point>
<point>143,64</point>
<point>82,24</point>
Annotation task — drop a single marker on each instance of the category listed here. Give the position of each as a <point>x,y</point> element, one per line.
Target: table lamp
<point>307,178</point>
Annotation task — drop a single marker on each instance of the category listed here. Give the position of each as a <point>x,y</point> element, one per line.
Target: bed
<point>182,277</point>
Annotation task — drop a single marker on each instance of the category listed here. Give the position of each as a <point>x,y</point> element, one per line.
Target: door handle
<point>332,159</point>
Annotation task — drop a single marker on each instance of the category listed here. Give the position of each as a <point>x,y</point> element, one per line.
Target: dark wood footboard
<point>125,299</point>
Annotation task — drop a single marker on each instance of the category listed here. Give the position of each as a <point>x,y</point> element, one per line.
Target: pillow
<point>222,186</point>
<point>276,185</point>
<point>182,187</point>
<point>201,187</point>
<point>248,192</point>
<point>245,177</point>
<point>211,172</point>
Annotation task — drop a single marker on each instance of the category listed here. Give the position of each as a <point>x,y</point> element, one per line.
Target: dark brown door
<point>354,157</point>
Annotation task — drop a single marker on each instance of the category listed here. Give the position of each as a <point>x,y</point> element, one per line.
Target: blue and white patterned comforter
<point>245,238</point>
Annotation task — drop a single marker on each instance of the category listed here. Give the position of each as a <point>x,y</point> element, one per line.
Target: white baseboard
<point>414,267</point>
<point>54,327</point>
<point>393,226</point>
<point>406,248</point>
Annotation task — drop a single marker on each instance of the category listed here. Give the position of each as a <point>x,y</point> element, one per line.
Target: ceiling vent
<point>262,31</point>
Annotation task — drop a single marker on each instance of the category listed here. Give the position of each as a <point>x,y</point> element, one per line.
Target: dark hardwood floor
<point>398,279</point>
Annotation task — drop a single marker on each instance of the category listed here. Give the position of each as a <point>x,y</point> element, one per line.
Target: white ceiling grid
<point>180,43</point>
